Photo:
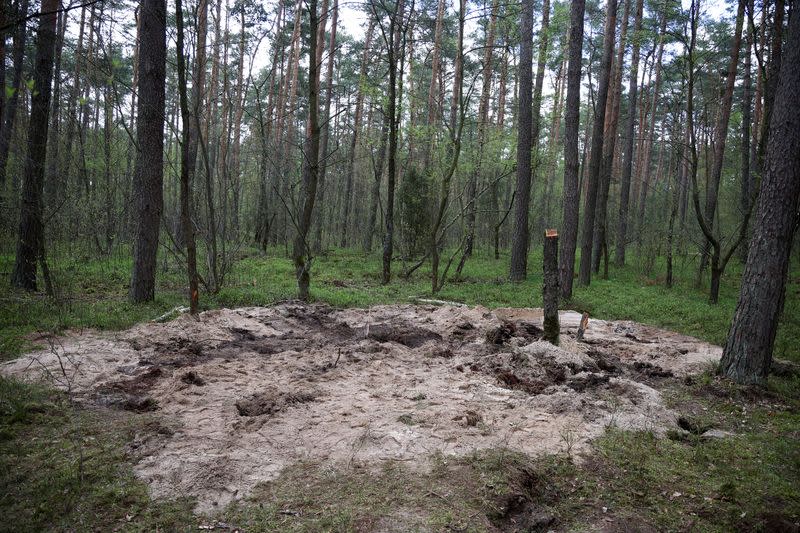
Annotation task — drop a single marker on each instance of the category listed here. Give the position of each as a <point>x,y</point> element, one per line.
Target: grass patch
<point>66,468</point>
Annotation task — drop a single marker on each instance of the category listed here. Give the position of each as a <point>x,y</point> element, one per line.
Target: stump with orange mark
<point>550,286</point>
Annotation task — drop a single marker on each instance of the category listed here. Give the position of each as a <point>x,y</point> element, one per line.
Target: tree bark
<point>571,127</point>
<point>30,245</point>
<point>148,174</point>
<point>748,351</point>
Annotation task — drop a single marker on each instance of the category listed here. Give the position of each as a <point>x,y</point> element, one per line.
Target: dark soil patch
<point>589,380</point>
<point>524,506</point>
<point>192,378</point>
<point>270,402</point>
<point>132,394</point>
<point>402,333</point>
<point>501,334</point>
<point>651,370</point>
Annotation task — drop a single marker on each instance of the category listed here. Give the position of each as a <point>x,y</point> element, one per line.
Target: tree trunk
<point>30,246</point>
<point>527,133</point>
<point>394,48</point>
<point>609,146</point>
<point>54,181</point>
<point>627,165</point>
<point>596,154</point>
<point>434,107</point>
<point>483,126</point>
<point>747,101</point>
<point>721,134</point>
<point>186,200</point>
<point>375,193</point>
<point>149,169</point>
<point>748,351</point>
<point>302,250</point>
<point>10,111</point>
<point>571,127</point>
<point>325,133</point>
<point>348,175</point>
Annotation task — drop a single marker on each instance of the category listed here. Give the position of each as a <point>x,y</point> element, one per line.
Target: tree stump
<point>550,286</point>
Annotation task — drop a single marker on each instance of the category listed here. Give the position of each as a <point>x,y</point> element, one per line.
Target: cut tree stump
<point>582,328</point>
<point>550,286</point>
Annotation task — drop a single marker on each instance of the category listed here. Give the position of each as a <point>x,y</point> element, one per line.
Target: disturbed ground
<point>242,394</point>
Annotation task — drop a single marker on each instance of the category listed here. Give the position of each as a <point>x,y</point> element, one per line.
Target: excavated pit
<point>247,392</point>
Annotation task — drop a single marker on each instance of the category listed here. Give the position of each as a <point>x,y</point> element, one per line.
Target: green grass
<point>66,468</point>
<point>93,293</point>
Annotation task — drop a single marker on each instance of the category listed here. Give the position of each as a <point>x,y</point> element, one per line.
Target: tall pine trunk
<point>30,245</point>
<point>627,165</point>
<point>566,260</point>
<point>520,237</point>
<point>748,351</point>
<point>301,254</point>
<point>596,154</point>
<point>148,174</point>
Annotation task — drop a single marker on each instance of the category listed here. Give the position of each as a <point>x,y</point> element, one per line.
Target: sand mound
<point>246,392</point>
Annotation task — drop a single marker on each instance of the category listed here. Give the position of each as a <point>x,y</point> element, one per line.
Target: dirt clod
<point>501,334</point>
<point>192,378</point>
<point>272,401</point>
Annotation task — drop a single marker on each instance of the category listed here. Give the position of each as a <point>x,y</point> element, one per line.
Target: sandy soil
<point>243,393</point>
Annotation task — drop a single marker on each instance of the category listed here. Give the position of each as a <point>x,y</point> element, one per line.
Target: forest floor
<point>390,417</point>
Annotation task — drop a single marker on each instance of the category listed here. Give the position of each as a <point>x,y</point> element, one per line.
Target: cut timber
<point>583,326</point>
<point>550,286</point>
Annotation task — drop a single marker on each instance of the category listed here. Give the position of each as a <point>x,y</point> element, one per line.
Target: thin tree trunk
<point>394,47</point>
<point>566,263</point>
<point>30,245</point>
<point>327,118</point>
<point>434,106</point>
<point>646,153</point>
<point>302,251</point>
<point>596,154</point>
<point>483,126</point>
<point>746,186</point>
<point>609,146</point>
<point>186,201</point>
<point>721,135</point>
<point>7,127</point>
<point>348,175</point>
